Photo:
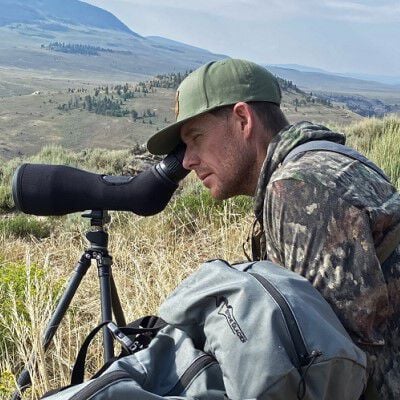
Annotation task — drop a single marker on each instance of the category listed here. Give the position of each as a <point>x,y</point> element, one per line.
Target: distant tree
<point>88,102</point>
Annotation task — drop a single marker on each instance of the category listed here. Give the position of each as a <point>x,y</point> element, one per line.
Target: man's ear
<point>244,118</point>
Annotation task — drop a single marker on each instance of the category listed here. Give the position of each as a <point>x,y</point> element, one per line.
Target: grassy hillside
<point>33,121</point>
<point>151,256</point>
<point>32,114</point>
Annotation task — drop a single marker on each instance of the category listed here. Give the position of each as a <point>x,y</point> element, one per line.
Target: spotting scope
<point>43,189</point>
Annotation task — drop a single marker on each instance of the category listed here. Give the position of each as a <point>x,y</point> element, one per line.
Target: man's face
<point>216,151</point>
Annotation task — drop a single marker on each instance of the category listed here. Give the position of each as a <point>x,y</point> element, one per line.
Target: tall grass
<point>151,256</point>
<point>379,140</point>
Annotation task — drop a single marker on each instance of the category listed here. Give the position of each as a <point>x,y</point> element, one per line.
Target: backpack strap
<point>325,145</point>
<point>141,332</point>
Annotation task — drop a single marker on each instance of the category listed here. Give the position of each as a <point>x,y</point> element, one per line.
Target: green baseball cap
<point>216,84</point>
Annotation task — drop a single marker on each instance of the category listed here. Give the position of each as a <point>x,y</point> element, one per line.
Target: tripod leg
<point>104,271</point>
<point>24,380</point>
<point>23,383</point>
<point>80,271</point>
<point>116,304</point>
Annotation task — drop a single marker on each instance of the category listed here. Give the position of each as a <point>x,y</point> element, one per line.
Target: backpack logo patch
<point>226,310</point>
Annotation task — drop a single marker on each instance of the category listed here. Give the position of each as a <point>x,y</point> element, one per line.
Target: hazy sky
<point>337,35</point>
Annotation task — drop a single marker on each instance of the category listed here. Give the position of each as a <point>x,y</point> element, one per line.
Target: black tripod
<point>110,303</point>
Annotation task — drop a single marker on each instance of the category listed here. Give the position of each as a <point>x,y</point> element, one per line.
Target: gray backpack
<point>248,331</point>
<point>170,367</point>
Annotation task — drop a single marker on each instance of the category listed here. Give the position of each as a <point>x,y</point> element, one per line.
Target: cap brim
<point>164,141</point>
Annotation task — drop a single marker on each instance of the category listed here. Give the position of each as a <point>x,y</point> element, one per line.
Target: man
<point>322,214</point>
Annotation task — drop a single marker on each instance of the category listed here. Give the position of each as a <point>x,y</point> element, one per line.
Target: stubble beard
<point>239,179</point>
<point>239,165</point>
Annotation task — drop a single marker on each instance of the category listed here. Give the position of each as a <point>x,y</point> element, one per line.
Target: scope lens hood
<point>16,187</point>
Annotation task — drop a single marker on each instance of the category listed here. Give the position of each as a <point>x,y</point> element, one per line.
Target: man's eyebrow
<point>190,132</point>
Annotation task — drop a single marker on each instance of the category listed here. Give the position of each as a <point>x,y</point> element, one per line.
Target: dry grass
<point>151,256</point>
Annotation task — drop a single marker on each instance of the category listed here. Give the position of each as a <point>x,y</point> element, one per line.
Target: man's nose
<point>190,160</point>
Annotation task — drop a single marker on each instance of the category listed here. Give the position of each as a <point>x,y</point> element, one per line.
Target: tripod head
<point>98,237</point>
<point>98,218</point>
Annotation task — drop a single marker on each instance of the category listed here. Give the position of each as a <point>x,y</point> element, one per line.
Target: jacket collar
<point>281,145</point>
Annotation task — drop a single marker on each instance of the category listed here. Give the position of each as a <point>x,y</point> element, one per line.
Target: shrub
<point>55,155</point>
<point>6,173</point>
<point>23,288</point>
<point>196,201</point>
<point>15,282</point>
<point>106,161</point>
<point>6,200</point>
<point>6,384</point>
<point>14,278</point>
<point>24,226</point>
<point>195,205</point>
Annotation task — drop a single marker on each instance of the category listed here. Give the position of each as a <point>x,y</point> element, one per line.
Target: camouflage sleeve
<point>311,230</point>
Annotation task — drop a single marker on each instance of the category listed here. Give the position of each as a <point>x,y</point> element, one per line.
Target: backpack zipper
<point>198,365</point>
<point>302,354</point>
<point>101,383</point>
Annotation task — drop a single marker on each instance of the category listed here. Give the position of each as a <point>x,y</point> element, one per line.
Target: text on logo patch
<point>227,311</point>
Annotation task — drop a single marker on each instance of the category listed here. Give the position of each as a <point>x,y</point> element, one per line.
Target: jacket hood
<point>281,145</point>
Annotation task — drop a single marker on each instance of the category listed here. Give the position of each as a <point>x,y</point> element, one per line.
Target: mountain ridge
<point>381,79</point>
<point>28,30</point>
<point>60,12</point>
<point>331,82</point>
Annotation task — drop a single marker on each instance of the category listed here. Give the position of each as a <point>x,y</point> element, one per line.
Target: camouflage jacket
<point>323,215</point>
